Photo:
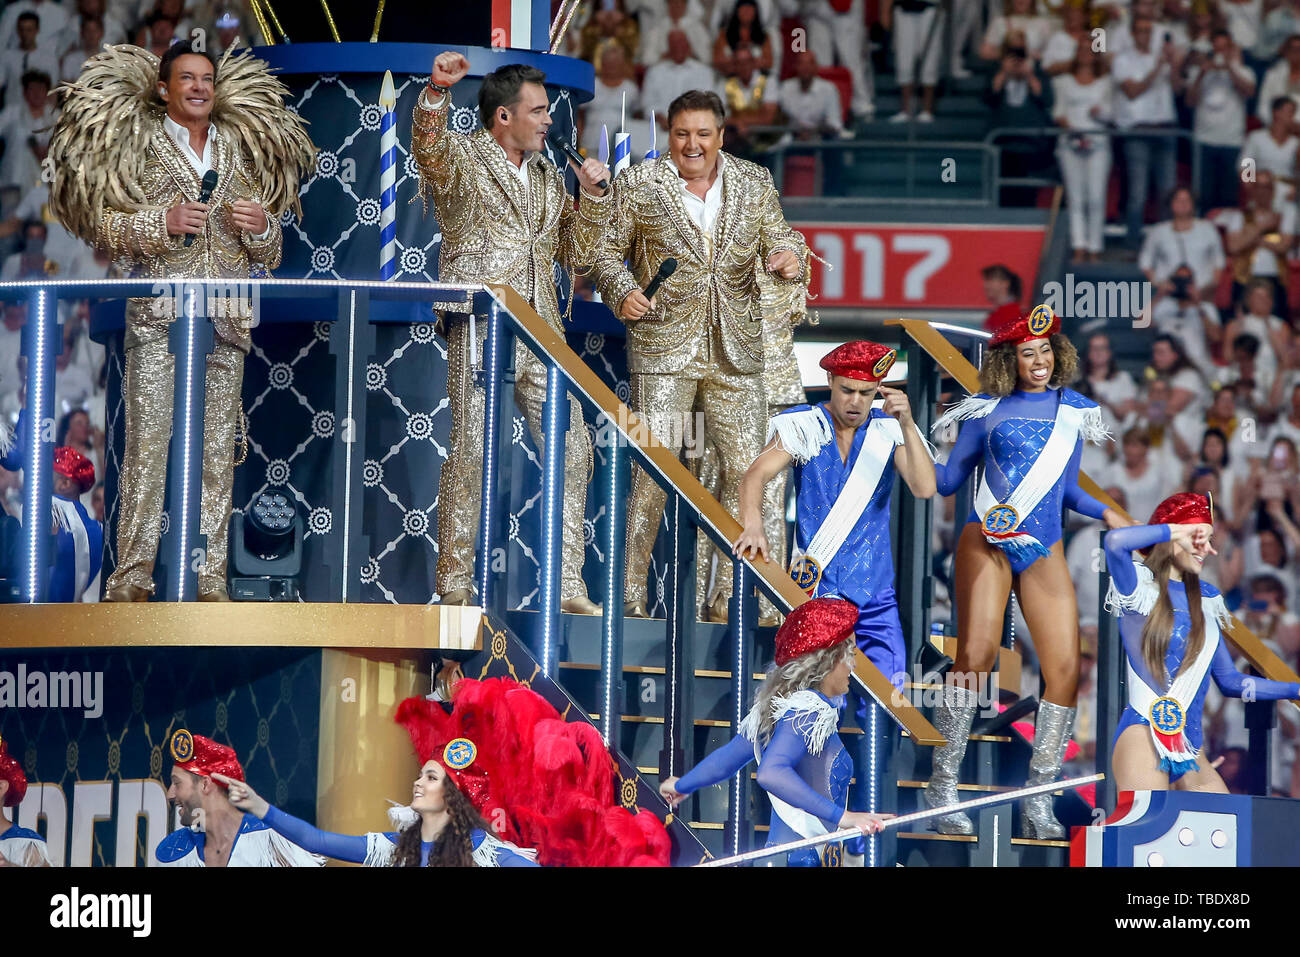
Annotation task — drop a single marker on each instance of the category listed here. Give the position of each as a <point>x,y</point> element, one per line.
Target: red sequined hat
<point>70,462</point>
<point>200,755</point>
<point>1185,508</point>
<point>11,771</point>
<point>1039,324</point>
<point>861,360</point>
<point>814,626</point>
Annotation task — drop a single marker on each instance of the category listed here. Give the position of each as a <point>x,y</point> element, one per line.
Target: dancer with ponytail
<point>1170,623</point>
<point>1027,431</point>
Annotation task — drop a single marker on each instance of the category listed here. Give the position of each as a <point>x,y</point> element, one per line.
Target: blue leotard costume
<point>1126,578</point>
<point>862,570</point>
<point>376,848</point>
<point>1006,436</point>
<point>804,765</point>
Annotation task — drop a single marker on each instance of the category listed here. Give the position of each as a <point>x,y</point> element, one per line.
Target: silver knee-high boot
<point>953,719</point>
<point>1052,731</point>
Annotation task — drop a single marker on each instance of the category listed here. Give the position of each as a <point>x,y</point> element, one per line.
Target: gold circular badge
<point>1167,715</point>
<point>806,573</point>
<point>459,754</point>
<point>1041,319</point>
<point>182,746</point>
<point>1001,518</point>
<point>884,363</point>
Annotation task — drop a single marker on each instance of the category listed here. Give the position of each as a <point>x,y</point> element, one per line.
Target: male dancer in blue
<point>1170,623</point>
<point>19,846</point>
<point>791,731</point>
<point>845,454</point>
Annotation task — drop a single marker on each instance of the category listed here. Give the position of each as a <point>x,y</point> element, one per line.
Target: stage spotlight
<point>266,548</point>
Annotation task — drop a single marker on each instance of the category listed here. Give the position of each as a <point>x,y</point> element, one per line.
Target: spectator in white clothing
<point>743,30</point>
<point>114,30</point>
<point>837,34</point>
<point>1137,474</point>
<point>1083,107</point>
<point>30,55</point>
<point>1019,15</point>
<point>1183,240</point>
<point>1258,320</point>
<point>605,108</point>
<point>677,16</point>
<point>810,103</point>
<point>53,18</point>
<point>1147,77</point>
<point>1219,86</point>
<point>25,127</point>
<point>917,27</point>
<point>1243,19</point>
<point>1182,313</point>
<point>1063,46</point>
<point>1281,79</point>
<point>91,42</point>
<point>1274,147</point>
<point>671,77</point>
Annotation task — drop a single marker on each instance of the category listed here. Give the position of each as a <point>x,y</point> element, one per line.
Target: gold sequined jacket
<point>715,288</point>
<point>139,244</point>
<point>494,229</point>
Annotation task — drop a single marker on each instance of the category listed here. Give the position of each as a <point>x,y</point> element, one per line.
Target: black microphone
<point>666,269</point>
<point>567,149</point>
<point>205,194</point>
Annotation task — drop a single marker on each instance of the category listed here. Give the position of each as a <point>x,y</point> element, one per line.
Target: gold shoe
<point>217,594</point>
<point>580,605</point>
<point>770,621</point>
<point>457,596</point>
<point>718,610</point>
<point>126,593</point>
<point>635,609</point>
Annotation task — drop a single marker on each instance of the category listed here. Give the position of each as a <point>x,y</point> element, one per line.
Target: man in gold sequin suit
<point>169,105</point>
<point>699,345</point>
<point>506,218</point>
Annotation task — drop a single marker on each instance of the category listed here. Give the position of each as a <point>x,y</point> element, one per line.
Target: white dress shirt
<point>181,137</point>
<point>703,212</point>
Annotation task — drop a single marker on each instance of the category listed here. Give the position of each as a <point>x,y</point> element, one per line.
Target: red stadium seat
<point>800,176</point>
<point>843,82</point>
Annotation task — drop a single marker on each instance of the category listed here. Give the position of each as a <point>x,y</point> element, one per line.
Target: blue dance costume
<point>1007,436</point>
<point>862,569</point>
<point>376,848</point>
<point>804,766</point>
<point>79,542</point>
<point>1132,596</point>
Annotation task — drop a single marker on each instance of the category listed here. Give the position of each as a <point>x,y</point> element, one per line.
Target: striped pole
<point>602,151</point>
<point>653,153</point>
<point>622,152</point>
<point>388,179</point>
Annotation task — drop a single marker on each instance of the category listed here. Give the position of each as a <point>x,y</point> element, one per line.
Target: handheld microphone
<point>666,269</point>
<point>565,147</point>
<point>205,194</point>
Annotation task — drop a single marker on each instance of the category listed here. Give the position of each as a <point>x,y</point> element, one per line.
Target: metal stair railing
<point>510,315</point>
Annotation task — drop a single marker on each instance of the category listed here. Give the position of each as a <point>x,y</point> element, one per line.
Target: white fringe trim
<point>485,855</point>
<point>971,407</point>
<point>1145,594</point>
<point>6,438</point>
<point>379,850</point>
<point>802,433</point>
<point>1093,427</point>
<point>401,816</point>
<point>815,723</point>
<point>269,848</point>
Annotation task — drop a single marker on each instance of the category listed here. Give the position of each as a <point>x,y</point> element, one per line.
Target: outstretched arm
<point>965,455</point>
<point>777,775</point>
<point>1121,543</point>
<point>341,847</point>
<point>720,765</point>
<point>1236,685</point>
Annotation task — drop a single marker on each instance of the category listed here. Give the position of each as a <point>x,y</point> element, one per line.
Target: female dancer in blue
<point>1027,430</point>
<point>445,830</point>
<point>1169,620</point>
<point>791,732</point>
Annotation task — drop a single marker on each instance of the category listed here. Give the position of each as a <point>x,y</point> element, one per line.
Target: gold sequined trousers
<point>774,524</point>
<point>735,414</point>
<point>460,487</point>
<point>147,393</point>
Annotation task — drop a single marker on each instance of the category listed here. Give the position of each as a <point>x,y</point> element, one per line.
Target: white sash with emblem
<point>883,435</point>
<point>1166,713</point>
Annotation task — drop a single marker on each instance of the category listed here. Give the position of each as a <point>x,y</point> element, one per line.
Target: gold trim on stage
<point>290,624</point>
